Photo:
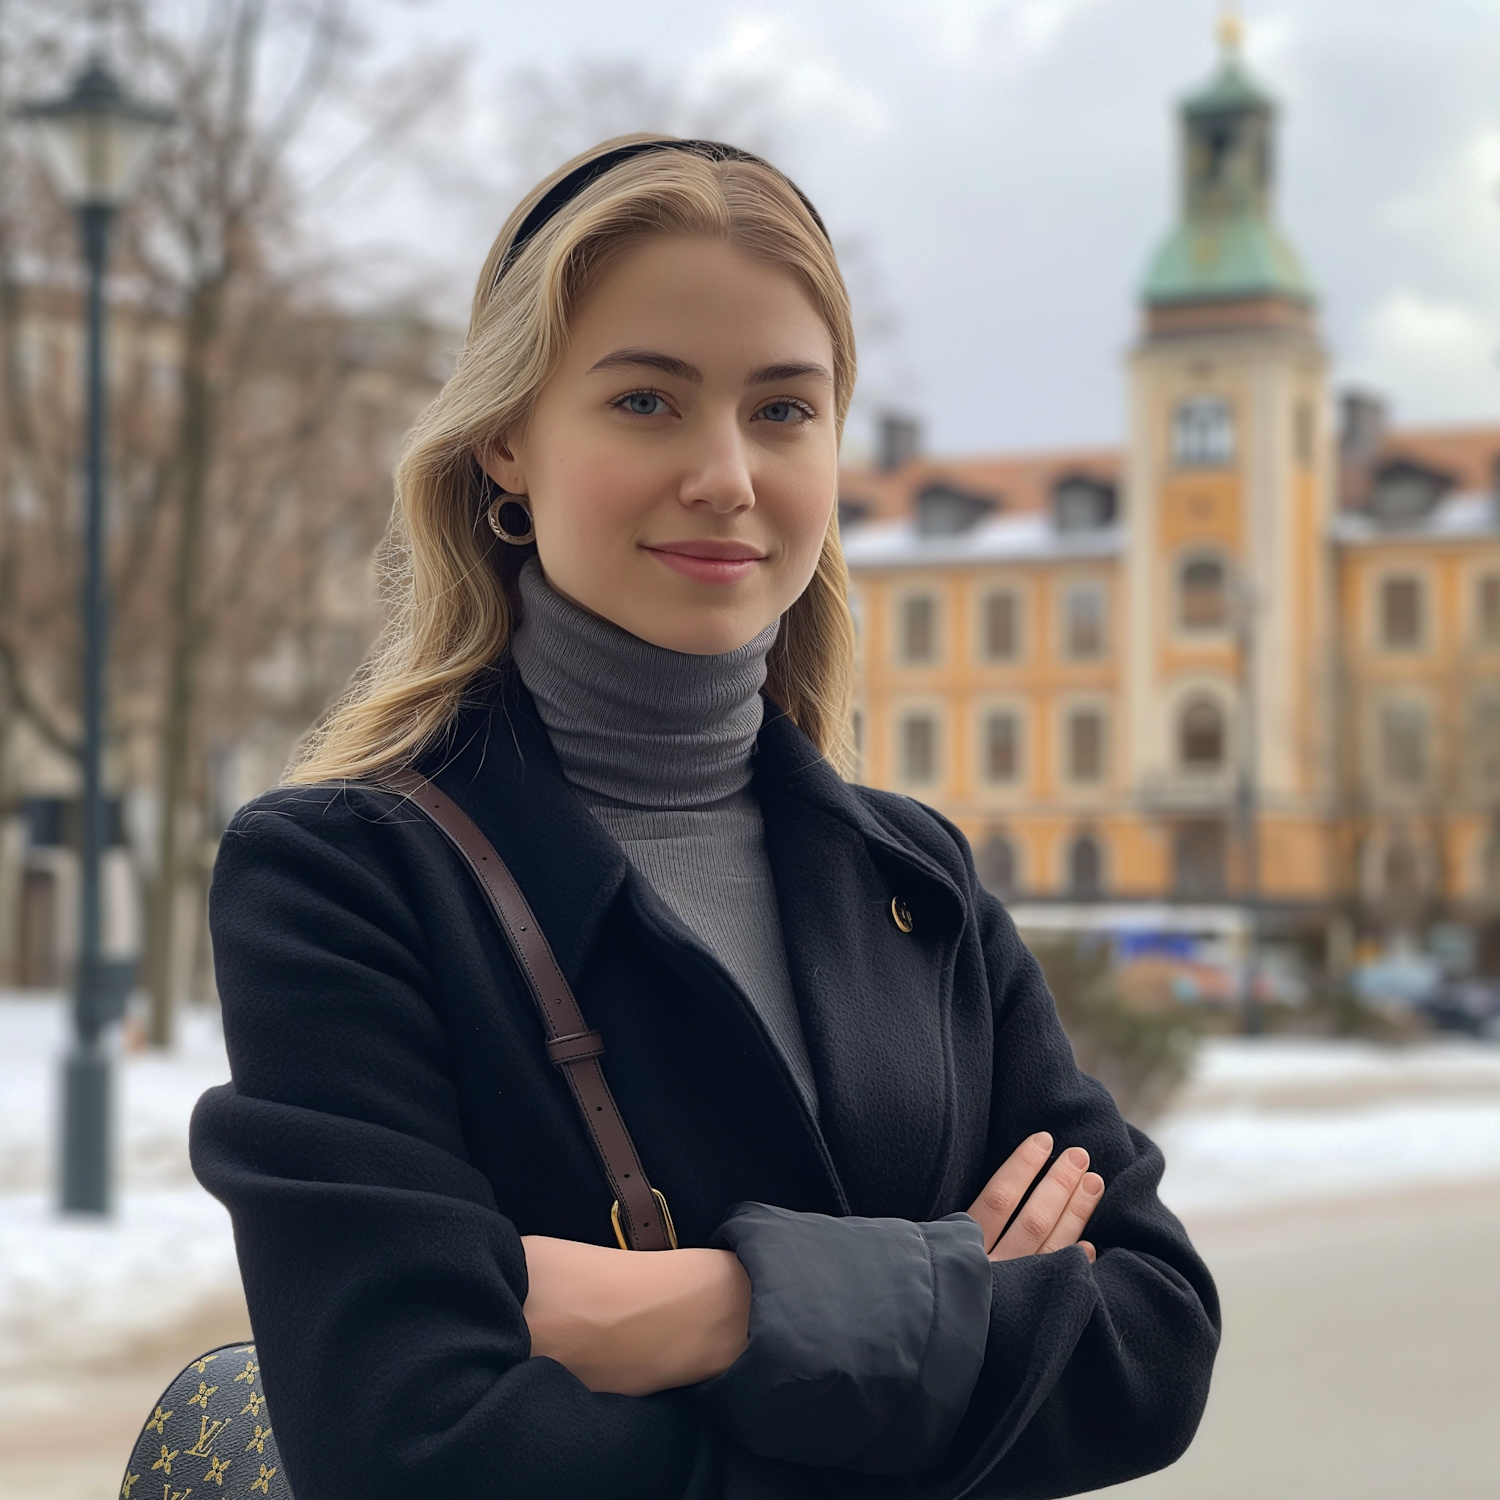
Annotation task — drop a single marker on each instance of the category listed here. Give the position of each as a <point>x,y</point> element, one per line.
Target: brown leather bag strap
<point>640,1216</point>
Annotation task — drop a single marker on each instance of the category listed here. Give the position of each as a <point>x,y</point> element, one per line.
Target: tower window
<point>1203,603</point>
<point>1201,736</point>
<point>1085,868</point>
<point>1002,746</point>
<point>1401,613</point>
<point>1304,434</point>
<point>919,628</point>
<point>1202,433</point>
<point>919,748</point>
<point>1403,744</point>
<point>1083,621</point>
<point>1487,609</point>
<point>1085,745</point>
<point>1001,626</point>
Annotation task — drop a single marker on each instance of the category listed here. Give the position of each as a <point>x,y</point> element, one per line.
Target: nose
<point>718,474</point>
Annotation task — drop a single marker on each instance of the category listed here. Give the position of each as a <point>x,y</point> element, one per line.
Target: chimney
<point>900,441</point>
<point>1363,420</point>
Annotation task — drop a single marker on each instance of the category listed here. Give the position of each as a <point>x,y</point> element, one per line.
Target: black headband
<point>563,191</point>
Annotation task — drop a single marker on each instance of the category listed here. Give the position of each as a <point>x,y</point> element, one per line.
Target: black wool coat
<point>393,1127</point>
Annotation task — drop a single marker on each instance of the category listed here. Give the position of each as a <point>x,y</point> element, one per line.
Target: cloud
<point>999,36</point>
<point>1435,356</point>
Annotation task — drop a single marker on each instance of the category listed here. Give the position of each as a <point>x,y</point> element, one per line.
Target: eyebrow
<point>790,370</point>
<point>669,364</point>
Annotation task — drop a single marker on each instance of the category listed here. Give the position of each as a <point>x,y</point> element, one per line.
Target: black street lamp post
<point>1247,805</point>
<point>93,143</point>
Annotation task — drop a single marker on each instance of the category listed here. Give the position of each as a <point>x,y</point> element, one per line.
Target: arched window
<point>1203,602</point>
<point>1201,735</point>
<point>1202,433</point>
<point>1085,868</point>
<point>997,865</point>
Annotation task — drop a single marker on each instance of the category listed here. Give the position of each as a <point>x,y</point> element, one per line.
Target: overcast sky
<point>1005,167</point>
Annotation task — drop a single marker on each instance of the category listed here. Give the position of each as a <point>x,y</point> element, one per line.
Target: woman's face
<point>681,463</point>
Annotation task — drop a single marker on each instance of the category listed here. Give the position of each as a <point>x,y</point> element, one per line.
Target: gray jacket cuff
<point>866,1338</point>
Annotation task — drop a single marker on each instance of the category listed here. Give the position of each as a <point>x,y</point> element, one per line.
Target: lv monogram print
<point>210,1435</point>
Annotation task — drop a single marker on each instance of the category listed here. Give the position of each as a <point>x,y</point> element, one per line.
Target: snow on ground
<point>1290,1118</point>
<point>1279,1062</point>
<point>1382,1118</point>
<point>69,1284</point>
<point>1231,1159</point>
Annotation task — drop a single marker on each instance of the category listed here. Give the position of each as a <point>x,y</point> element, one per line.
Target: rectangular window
<point>1002,747</point>
<point>918,748</point>
<point>1487,609</point>
<point>1486,748</point>
<point>1083,621</point>
<point>919,628</point>
<point>1085,745</point>
<point>1001,626</point>
<point>1400,613</point>
<point>1403,737</point>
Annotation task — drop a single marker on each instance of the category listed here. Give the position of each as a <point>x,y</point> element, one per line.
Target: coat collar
<point>873,1003</point>
<point>498,764</point>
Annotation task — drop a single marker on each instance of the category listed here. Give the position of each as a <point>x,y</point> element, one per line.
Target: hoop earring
<point>511,521</point>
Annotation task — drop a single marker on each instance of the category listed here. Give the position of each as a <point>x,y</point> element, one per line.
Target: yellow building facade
<point>1252,657</point>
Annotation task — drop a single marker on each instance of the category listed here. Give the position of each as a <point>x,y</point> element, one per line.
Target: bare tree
<point>253,418</point>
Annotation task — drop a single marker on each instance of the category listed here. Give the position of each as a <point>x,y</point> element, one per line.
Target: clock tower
<point>1229,488</point>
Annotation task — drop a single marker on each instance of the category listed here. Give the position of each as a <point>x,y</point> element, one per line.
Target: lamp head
<point>95,140</point>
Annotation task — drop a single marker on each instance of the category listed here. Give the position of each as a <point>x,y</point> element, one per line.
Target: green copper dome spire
<point>1226,244</point>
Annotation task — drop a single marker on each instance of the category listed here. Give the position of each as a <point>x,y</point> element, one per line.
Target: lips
<point>708,560</point>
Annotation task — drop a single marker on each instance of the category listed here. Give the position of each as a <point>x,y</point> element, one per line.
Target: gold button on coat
<point>901,914</point>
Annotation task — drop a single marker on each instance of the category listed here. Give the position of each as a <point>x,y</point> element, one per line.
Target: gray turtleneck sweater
<point>658,743</point>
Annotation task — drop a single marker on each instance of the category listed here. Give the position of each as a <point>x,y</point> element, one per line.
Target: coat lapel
<point>875,1001</point>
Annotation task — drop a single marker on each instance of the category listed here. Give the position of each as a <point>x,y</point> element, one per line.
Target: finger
<point>997,1202</point>
<point>1088,1250</point>
<point>1044,1207</point>
<point>1080,1206</point>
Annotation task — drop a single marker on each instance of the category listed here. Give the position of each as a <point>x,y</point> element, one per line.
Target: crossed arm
<point>636,1324</point>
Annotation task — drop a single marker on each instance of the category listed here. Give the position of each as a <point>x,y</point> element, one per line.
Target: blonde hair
<point>449,584</point>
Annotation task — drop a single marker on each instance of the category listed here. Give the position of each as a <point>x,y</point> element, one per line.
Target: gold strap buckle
<point>666,1220</point>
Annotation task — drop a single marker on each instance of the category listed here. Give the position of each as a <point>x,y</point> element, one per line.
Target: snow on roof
<point>1458,517</point>
<point>1031,537</point>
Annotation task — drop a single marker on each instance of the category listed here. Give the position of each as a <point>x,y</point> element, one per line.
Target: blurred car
<point>1469,1006</point>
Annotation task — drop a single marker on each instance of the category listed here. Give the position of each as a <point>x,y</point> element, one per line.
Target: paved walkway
<point>1361,1361</point>
<point>1361,1356</point>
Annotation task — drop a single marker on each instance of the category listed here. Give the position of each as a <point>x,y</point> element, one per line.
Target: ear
<point>502,466</point>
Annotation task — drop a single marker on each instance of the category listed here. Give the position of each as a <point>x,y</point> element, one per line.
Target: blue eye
<point>643,404</point>
<point>784,413</point>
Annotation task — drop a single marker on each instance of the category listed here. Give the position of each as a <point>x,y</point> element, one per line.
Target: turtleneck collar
<point>634,722</point>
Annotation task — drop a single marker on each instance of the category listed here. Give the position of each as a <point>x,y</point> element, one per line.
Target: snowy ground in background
<point>1285,1119</point>
<point>68,1285</point>
<point>1261,1123</point>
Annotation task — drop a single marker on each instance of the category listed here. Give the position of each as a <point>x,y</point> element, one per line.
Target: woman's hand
<point>1055,1213</point>
<point>633,1322</point>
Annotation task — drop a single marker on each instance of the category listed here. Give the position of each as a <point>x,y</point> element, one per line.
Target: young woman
<point>620,643</point>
